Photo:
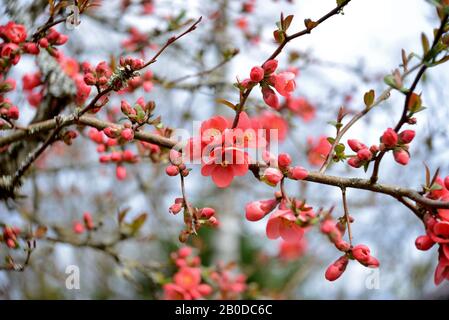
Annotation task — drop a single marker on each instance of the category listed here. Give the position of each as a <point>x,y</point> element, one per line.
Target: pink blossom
<point>284,83</point>
<point>282,223</point>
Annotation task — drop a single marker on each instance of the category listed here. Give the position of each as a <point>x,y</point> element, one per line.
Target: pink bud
<point>111,132</point>
<point>336,269</point>
<point>90,79</point>
<point>116,156</point>
<point>256,210</point>
<point>424,243</point>
<point>257,74</point>
<point>342,245</point>
<point>284,160</point>
<point>298,173</point>
<point>184,252</point>
<point>355,145</point>
<point>104,158</point>
<point>172,170</point>
<point>78,227</point>
<point>270,98</point>
<point>13,113</point>
<point>206,213</point>
<point>406,136</point>
<point>44,43</point>
<point>120,172</point>
<point>390,138</point>
<point>361,253</point>
<point>11,243</point>
<point>175,208</point>
<point>401,157</point>
<point>364,154</point>
<point>31,48</point>
<point>87,217</point>
<point>127,134</point>
<point>272,176</point>
<point>374,149</point>
<point>354,162</point>
<point>446,182</point>
<point>270,66</point>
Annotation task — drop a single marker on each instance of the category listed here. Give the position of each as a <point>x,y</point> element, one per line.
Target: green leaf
<point>340,148</point>
<point>331,140</point>
<point>425,44</point>
<point>226,103</point>
<point>369,98</point>
<point>138,223</point>
<point>389,80</point>
<point>286,23</point>
<point>435,187</point>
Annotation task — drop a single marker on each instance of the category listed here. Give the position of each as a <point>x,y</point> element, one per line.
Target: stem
<point>345,207</point>
<point>187,205</point>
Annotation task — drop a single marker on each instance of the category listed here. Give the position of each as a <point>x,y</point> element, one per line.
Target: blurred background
<point>343,58</point>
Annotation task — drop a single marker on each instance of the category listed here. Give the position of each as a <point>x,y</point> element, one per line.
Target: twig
<point>347,218</point>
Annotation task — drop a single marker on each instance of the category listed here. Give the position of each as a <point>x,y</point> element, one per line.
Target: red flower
<point>318,150</point>
<point>14,32</point>
<point>284,83</point>
<point>224,164</point>
<point>282,223</point>
<point>289,251</point>
<point>302,108</point>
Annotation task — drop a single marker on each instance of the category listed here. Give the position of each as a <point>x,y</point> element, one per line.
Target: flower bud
<point>127,134</point>
<point>270,66</point>
<point>206,213</point>
<point>401,157</point>
<point>354,162</point>
<point>270,98</point>
<point>257,74</point>
<point>364,155</point>
<point>390,138</point>
<point>120,172</point>
<point>256,210</point>
<point>424,243</point>
<point>355,145</point>
<point>298,173</point>
<point>172,170</point>
<point>406,136</point>
<point>284,160</point>
<point>272,176</point>
<point>336,269</point>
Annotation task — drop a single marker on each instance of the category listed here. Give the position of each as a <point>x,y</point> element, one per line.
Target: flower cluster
<point>51,40</point>
<point>98,76</point>
<point>283,82</point>
<point>437,230</point>
<point>361,253</point>
<point>9,236</point>
<point>14,45</point>
<point>192,281</point>
<point>140,112</point>
<point>87,224</point>
<point>8,111</point>
<point>107,143</point>
<point>30,81</point>
<point>187,283</point>
<point>390,141</point>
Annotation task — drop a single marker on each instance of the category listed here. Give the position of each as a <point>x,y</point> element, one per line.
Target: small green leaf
<point>340,148</point>
<point>226,103</point>
<point>369,98</point>
<point>435,187</point>
<point>138,223</point>
<point>331,140</point>
<point>425,44</point>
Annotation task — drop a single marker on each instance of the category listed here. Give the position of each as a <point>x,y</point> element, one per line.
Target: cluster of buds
<point>283,82</point>
<point>106,143</point>
<point>437,230</point>
<point>127,70</point>
<point>98,76</point>
<point>140,112</point>
<point>390,140</point>
<point>122,134</point>
<point>272,176</point>
<point>361,253</point>
<point>177,165</point>
<point>8,111</point>
<point>144,81</point>
<point>363,154</point>
<point>51,40</point>
<point>14,44</point>
<point>87,224</point>
<point>10,235</point>
<point>30,81</point>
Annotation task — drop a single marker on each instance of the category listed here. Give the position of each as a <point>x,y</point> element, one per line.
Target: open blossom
<point>302,107</point>
<point>273,124</point>
<point>282,223</point>
<point>284,83</point>
<point>224,164</point>
<point>289,251</point>
<point>14,32</point>
<point>187,285</point>
<point>256,210</point>
<point>318,150</point>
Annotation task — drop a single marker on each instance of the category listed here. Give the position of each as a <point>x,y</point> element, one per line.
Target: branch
<point>287,39</point>
<point>404,118</point>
